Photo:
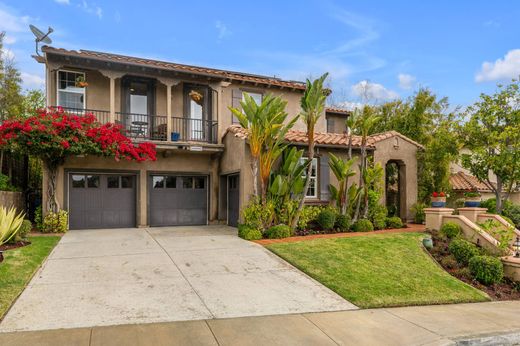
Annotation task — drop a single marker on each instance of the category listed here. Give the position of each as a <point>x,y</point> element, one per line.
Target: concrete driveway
<point>122,276</point>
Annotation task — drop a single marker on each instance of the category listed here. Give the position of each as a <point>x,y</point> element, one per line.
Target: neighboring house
<point>202,173</point>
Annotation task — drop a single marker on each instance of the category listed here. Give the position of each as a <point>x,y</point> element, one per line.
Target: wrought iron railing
<point>143,126</point>
<point>193,130</point>
<point>101,116</point>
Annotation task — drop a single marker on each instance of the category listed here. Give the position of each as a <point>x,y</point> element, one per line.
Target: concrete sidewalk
<point>495,323</point>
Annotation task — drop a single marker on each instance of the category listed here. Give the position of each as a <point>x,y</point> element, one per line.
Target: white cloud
<point>10,22</point>
<point>63,2</point>
<point>372,92</point>
<point>32,80</point>
<point>507,67</point>
<point>8,54</point>
<point>91,9</point>
<point>222,30</point>
<point>349,105</point>
<point>406,81</point>
<point>9,39</point>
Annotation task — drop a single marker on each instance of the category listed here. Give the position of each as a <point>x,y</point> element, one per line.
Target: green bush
<point>258,216</point>
<point>278,232</point>
<point>487,270</point>
<point>463,250</point>
<point>342,223</point>
<point>377,215</point>
<point>55,222</point>
<point>5,183</point>
<point>451,230</point>
<point>418,211</point>
<point>509,209</point>
<point>449,262</point>
<point>38,218</point>
<point>309,215</point>
<point>249,233</point>
<point>25,229</point>
<point>363,225</point>
<point>327,219</point>
<point>394,222</point>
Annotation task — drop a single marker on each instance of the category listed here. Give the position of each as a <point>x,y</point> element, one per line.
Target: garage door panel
<point>101,206</point>
<point>182,201</point>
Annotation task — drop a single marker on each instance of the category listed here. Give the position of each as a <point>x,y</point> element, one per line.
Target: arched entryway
<point>395,188</point>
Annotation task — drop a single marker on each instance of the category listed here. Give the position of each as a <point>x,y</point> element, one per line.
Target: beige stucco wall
<point>406,153</point>
<point>167,162</point>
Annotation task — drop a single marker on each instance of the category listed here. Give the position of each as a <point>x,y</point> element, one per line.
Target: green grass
<point>19,266</point>
<point>378,270</point>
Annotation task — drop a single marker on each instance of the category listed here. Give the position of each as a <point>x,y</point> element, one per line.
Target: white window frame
<point>71,91</point>
<point>312,178</point>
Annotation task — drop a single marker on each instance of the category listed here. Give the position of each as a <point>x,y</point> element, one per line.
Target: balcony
<point>155,127</point>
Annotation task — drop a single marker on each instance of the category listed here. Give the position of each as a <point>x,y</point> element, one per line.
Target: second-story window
<point>69,94</point>
<point>256,96</point>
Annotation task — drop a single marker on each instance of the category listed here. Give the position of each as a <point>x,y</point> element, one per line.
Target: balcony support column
<point>112,75</point>
<point>169,83</point>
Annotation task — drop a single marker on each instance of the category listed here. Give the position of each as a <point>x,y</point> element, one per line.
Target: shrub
<point>342,222</point>
<point>249,233</point>
<point>377,215</point>
<point>394,222</point>
<point>451,230</point>
<point>309,215</point>
<point>363,225</point>
<point>449,262</point>
<point>512,211</point>
<point>487,270</point>
<point>327,219</point>
<point>418,211</point>
<point>38,218</point>
<point>463,272</point>
<point>278,232</point>
<point>10,223</point>
<point>25,229</point>
<point>463,250</point>
<point>5,183</point>
<point>258,216</point>
<point>55,222</point>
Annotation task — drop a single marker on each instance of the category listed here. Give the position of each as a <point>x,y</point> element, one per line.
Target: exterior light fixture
<point>516,247</point>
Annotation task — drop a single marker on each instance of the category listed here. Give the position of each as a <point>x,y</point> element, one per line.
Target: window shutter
<point>236,97</point>
<point>324,177</point>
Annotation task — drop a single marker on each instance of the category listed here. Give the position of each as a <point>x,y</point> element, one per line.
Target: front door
<point>197,107</point>
<point>138,95</point>
<point>233,184</point>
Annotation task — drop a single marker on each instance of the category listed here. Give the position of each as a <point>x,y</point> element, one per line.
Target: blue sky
<point>457,48</point>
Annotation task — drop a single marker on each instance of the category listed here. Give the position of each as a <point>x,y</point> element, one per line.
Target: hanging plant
<point>195,96</point>
<point>81,82</point>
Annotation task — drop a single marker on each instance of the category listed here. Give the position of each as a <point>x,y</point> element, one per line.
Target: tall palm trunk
<point>254,169</point>
<point>307,180</point>
<point>361,170</point>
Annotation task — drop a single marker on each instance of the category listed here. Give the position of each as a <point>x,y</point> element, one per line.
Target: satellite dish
<point>40,36</point>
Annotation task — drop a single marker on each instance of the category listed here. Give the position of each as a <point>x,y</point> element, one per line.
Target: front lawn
<point>19,266</point>
<point>378,270</point>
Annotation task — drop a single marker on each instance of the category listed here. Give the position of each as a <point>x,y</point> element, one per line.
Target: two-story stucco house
<point>202,173</point>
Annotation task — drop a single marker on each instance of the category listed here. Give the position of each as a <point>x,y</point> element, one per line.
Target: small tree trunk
<point>306,187</point>
<point>498,195</point>
<point>254,169</point>
<point>52,202</point>
<point>362,169</point>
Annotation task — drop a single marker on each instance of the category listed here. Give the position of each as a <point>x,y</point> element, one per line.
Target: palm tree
<point>350,124</point>
<point>365,124</point>
<point>312,104</point>
<point>372,180</point>
<point>342,170</point>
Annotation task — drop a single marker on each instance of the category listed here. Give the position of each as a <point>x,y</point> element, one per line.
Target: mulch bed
<point>506,290</point>
<point>14,245</point>
<point>408,228</point>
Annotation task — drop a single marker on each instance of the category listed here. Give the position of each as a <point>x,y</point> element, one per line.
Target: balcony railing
<point>194,130</point>
<point>155,127</point>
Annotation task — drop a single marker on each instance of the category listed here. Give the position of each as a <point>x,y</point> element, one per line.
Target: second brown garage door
<point>177,200</point>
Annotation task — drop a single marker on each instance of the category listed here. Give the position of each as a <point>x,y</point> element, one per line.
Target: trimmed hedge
<point>342,223</point>
<point>451,230</point>
<point>394,222</point>
<point>487,270</point>
<point>248,232</point>
<point>278,232</point>
<point>327,219</point>
<point>463,250</point>
<point>363,225</point>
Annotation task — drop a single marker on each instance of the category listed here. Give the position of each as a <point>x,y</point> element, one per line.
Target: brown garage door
<point>101,200</point>
<point>178,200</point>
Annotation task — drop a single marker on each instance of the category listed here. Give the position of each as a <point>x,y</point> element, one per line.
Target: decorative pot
<point>427,242</point>
<point>438,202</point>
<point>472,202</point>
<point>175,136</point>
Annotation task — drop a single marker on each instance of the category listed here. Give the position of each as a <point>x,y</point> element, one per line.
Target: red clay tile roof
<point>337,110</point>
<point>378,137</point>
<point>461,181</point>
<point>109,57</point>
<point>294,136</point>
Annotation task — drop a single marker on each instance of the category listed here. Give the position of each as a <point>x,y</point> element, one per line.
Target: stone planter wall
<point>9,199</point>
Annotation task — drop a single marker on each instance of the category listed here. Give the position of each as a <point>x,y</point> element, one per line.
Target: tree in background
<point>313,106</point>
<point>11,97</point>
<point>492,133</point>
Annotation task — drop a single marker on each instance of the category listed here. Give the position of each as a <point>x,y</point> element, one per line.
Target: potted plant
<point>472,199</point>
<point>81,82</point>
<point>438,199</point>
